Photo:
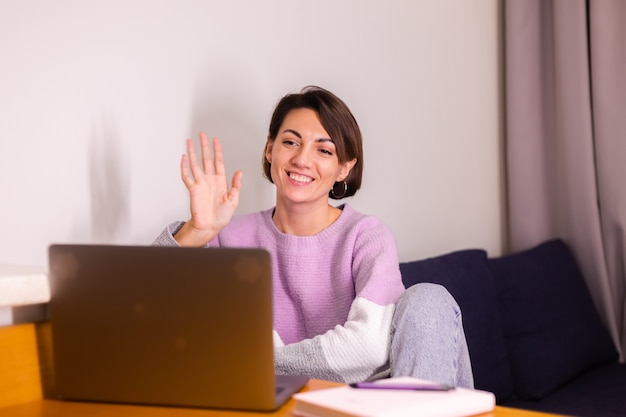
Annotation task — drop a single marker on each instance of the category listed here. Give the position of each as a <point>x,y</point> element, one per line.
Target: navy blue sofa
<point>534,335</point>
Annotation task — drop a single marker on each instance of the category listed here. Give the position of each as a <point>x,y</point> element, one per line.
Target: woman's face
<point>304,160</point>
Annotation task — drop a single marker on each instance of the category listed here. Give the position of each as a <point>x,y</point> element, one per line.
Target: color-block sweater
<point>334,292</point>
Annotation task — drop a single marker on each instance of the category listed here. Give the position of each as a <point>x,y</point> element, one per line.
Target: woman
<point>336,277</point>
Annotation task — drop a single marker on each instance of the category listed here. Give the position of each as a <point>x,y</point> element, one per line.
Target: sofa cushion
<point>466,275</point>
<point>596,393</point>
<point>552,328</point>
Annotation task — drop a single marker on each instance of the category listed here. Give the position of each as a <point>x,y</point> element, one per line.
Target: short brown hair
<point>337,120</point>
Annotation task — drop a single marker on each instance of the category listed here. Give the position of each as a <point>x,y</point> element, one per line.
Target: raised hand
<point>212,203</point>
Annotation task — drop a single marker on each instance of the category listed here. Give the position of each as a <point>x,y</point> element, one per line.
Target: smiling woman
<point>340,309</point>
<point>304,166</point>
<point>338,124</point>
<point>314,142</point>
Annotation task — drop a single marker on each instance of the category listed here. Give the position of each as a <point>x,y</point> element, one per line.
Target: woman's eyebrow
<point>296,133</point>
<point>322,140</point>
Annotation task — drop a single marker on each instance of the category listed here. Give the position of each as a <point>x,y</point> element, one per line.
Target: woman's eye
<point>288,142</point>
<point>326,152</point>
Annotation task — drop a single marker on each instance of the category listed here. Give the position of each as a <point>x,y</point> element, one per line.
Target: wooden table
<point>26,385</point>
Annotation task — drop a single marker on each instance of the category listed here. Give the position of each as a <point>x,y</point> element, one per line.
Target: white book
<point>346,401</point>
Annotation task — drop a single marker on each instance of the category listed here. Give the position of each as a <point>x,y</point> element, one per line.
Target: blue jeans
<point>427,337</point>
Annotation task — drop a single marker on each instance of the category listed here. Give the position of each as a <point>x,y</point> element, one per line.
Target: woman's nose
<point>302,157</point>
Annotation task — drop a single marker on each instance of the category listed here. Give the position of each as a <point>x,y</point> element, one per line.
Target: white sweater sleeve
<point>355,351</point>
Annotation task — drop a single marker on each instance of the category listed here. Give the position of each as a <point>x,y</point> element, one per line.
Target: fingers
<point>184,172</point>
<point>206,153</point>
<point>236,185</point>
<point>191,169</point>
<point>235,189</point>
<point>219,157</point>
<point>209,165</point>
<point>190,161</point>
<point>196,169</point>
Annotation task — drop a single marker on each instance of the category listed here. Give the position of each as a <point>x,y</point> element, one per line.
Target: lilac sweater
<point>334,292</point>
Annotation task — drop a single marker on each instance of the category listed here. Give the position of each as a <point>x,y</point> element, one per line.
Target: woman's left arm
<point>354,351</point>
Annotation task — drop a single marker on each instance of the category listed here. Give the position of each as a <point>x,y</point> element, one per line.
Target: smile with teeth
<point>300,178</point>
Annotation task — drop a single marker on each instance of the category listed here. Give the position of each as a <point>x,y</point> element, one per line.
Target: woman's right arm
<point>212,204</point>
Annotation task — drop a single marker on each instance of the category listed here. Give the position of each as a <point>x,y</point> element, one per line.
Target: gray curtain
<point>565,97</point>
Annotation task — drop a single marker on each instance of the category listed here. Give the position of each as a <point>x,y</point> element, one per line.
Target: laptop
<point>168,326</point>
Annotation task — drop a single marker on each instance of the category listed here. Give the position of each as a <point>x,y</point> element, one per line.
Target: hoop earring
<point>345,190</point>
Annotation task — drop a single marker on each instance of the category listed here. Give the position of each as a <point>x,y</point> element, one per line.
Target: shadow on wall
<point>109,183</point>
<point>226,110</point>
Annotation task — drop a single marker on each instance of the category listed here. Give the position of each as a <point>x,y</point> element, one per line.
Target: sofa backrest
<point>552,328</point>
<point>529,320</point>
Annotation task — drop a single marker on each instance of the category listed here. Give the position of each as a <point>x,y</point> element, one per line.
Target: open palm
<point>212,204</point>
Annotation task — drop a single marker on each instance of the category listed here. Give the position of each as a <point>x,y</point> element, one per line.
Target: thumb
<point>236,187</point>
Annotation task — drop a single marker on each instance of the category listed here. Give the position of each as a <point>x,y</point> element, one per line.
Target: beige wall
<point>97,97</point>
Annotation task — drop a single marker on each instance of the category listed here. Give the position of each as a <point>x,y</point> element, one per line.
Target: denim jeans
<point>427,337</point>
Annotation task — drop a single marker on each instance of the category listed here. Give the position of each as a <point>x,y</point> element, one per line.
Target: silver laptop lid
<point>162,325</point>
